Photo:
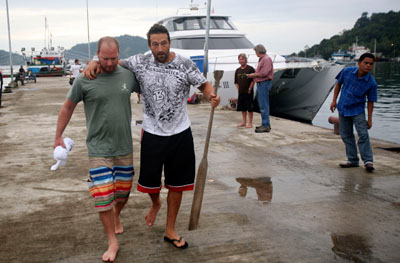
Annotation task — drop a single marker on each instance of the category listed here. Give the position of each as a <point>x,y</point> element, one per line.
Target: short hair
<point>366,55</point>
<point>260,49</point>
<point>107,40</point>
<point>76,60</point>
<point>242,55</point>
<point>157,29</point>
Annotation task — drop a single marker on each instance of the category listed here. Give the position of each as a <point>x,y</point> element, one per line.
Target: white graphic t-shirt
<point>164,89</point>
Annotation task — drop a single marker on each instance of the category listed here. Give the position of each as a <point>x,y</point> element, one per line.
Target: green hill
<point>384,27</point>
<point>128,46</point>
<point>5,58</point>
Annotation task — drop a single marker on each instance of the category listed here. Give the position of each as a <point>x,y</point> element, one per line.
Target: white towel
<point>60,153</point>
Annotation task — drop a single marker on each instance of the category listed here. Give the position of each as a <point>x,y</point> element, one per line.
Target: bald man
<point>109,140</point>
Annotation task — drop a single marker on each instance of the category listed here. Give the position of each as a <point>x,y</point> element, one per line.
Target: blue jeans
<point>263,89</point>
<point>347,134</point>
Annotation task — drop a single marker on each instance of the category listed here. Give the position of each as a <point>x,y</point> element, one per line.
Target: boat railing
<point>230,62</point>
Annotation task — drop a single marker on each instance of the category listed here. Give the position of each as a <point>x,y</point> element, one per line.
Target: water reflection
<point>351,246</point>
<point>357,184</point>
<point>353,242</point>
<point>262,185</point>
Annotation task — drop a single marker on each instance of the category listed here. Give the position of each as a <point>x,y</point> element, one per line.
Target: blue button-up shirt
<point>354,91</point>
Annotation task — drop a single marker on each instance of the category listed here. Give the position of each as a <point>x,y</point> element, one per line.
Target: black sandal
<point>176,240</point>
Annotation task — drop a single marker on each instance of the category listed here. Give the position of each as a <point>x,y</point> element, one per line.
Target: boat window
<point>169,25</point>
<point>222,23</point>
<point>213,25</point>
<point>193,24</point>
<point>179,24</point>
<point>214,43</point>
<point>197,23</point>
<point>290,73</point>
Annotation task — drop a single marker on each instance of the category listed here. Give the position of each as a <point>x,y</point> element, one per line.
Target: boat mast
<point>9,46</point>
<point>206,40</point>
<point>87,16</point>
<point>45,31</point>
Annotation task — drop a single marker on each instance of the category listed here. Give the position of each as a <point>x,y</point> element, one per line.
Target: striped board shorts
<point>110,180</point>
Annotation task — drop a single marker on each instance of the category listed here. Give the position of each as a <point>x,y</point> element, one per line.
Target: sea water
<point>386,114</point>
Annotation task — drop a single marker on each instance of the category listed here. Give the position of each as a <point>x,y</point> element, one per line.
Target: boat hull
<point>300,98</point>
<point>47,70</point>
<point>296,96</point>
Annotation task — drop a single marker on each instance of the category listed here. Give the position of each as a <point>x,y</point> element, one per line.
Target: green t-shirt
<point>108,111</point>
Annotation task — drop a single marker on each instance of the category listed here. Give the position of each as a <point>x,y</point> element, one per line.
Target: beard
<point>161,57</point>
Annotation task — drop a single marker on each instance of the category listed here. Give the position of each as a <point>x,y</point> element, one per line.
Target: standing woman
<point>244,86</point>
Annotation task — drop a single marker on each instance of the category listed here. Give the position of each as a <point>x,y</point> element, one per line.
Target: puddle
<point>262,186</point>
<point>352,247</point>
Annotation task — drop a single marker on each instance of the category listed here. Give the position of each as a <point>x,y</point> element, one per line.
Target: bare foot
<point>111,253</point>
<point>242,124</point>
<point>249,126</point>
<point>152,214</point>
<point>119,229</point>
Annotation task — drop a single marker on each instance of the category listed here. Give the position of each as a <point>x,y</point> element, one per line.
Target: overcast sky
<point>282,26</point>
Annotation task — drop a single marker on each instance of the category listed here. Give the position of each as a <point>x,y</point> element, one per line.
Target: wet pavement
<point>269,197</point>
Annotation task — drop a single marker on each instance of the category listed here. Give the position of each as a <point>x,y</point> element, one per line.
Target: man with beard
<point>109,139</point>
<point>167,143</point>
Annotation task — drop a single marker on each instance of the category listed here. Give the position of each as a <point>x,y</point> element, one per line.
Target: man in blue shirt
<point>356,84</point>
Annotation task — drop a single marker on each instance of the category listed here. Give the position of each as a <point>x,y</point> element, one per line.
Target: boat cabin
<point>187,32</point>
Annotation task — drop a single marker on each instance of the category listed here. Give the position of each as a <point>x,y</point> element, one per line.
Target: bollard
<point>7,89</point>
<point>335,121</point>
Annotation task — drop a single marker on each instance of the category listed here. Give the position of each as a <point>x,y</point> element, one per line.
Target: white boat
<point>299,87</point>
<point>358,50</point>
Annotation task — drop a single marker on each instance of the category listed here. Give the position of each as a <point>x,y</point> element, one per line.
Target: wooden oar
<point>202,171</point>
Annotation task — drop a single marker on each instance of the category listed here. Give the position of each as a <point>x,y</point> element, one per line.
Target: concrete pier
<point>269,197</point>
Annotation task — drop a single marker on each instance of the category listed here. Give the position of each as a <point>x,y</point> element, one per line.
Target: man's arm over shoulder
<point>131,62</point>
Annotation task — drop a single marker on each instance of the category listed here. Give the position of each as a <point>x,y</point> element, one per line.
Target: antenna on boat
<point>45,31</point>
<point>88,38</point>
<point>206,39</point>
<point>9,46</point>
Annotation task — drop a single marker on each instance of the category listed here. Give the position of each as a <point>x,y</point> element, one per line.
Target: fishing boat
<point>350,56</point>
<point>299,88</point>
<point>342,57</point>
<point>49,62</point>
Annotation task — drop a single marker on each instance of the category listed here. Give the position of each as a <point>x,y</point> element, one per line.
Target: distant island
<point>384,28</point>
<point>128,45</point>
